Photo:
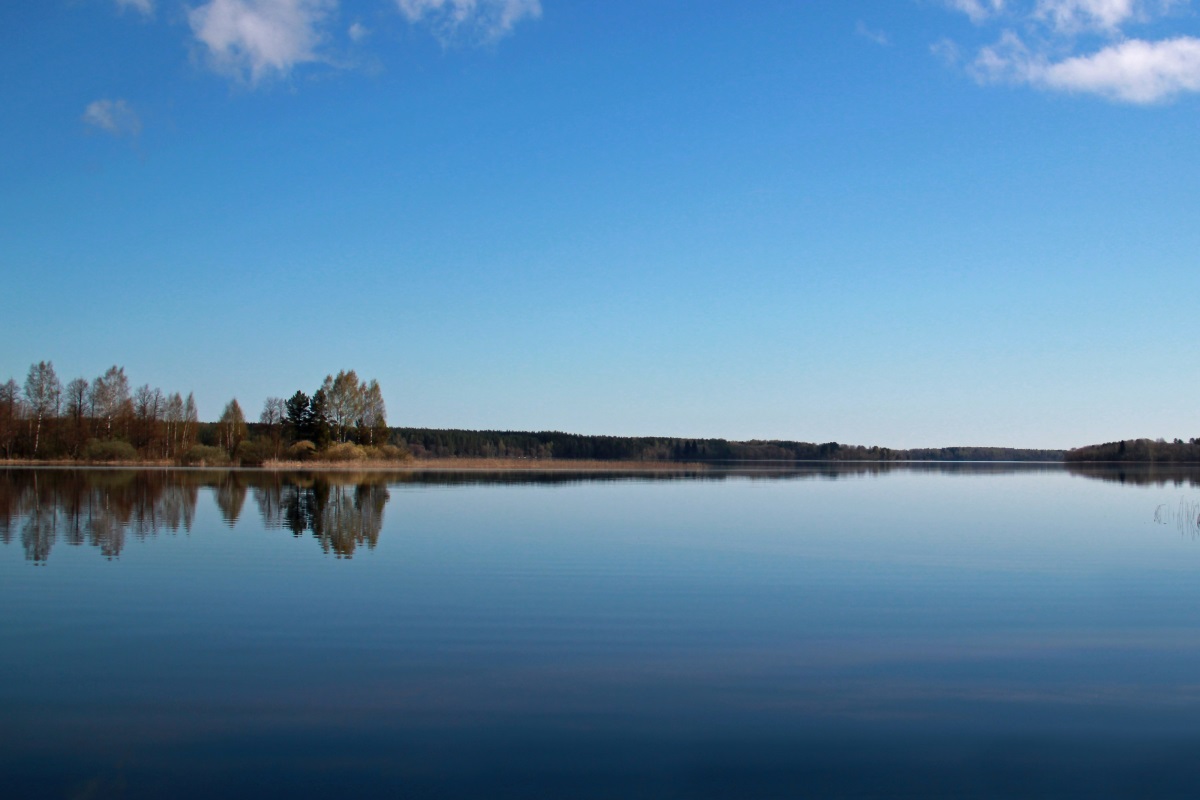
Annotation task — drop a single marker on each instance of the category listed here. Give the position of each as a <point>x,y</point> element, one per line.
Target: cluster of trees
<point>100,418</point>
<point>344,409</point>
<point>106,419</point>
<point>344,419</point>
<point>1154,451</point>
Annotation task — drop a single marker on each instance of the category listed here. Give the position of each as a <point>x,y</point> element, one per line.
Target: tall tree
<point>231,427</point>
<point>78,399</point>
<point>318,420</point>
<point>110,397</point>
<point>147,409</point>
<point>273,413</point>
<point>191,421</point>
<point>297,415</point>
<point>344,394</point>
<point>10,414</point>
<point>43,392</point>
<point>373,421</point>
<point>174,420</point>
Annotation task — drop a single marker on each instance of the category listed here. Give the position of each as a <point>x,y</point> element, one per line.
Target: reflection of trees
<point>37,534</point>
<point>103,508</point>
<point>343,510</point>
<point>94,508</point>
<point>1140,474</point>
<point>231,496</point>
<point>341,516</point>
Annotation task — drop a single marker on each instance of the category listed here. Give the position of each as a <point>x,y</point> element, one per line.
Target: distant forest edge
<point>434,443</point>
<point>1141,451</point>
<point>345,419</point>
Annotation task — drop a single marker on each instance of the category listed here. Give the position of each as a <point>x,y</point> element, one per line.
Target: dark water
<point>931,631</point>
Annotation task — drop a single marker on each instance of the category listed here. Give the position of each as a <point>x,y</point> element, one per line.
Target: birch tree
<point>43,392</point>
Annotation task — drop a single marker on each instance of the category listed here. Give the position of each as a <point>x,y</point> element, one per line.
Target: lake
<point>985,630</point>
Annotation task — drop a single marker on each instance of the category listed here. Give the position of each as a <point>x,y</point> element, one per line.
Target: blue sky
<point>894,222</point>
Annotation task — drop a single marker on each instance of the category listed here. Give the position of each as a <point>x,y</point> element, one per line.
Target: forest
<point>107,419</point>
<point>432,443</point>
<point>1152,451</point>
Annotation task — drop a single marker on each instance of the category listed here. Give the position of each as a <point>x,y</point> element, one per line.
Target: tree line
<point>345,419</point>
<point>99,419</point>
<point>434,443</point>
<point>1153,451</point>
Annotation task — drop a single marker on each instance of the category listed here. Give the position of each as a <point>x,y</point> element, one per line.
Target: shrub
<point>203,455</point>
<point>96,450</point>
<point>302,450</point>
<point>389,452</point>
<point>254,452</point>
<point>344,452</point>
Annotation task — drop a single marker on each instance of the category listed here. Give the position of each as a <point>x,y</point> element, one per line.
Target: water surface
<point>979,630</point>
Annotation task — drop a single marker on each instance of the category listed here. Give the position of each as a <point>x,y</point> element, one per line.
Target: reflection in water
<point>344,510</point>
<point>95,508</point>
<point>1181,475</point>
<point>341,516</point>
<point>231,496</point>
<point>100,508</point>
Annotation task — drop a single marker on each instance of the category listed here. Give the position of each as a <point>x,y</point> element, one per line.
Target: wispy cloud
<point>144,6</point>
<point>256,39</point>
<point>946,51</point>
<point>113,116</point>
<point>977,10</point>
<point>878,37</point>
<point>357,32</point>
<point>485,20</point>
<point>1072,16</point>
<point>1122,68</point>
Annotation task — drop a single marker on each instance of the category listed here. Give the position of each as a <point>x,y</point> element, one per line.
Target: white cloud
<point>357,32</point>
<point>1072,16</point>
<point>1132,71</point>
<point>486,19</point>
<point>254,39</point>
<point>1047,54</point>
<point>113,116</point>
<point>144,6</point>
<point>878,37</point>
<point>978,11</point>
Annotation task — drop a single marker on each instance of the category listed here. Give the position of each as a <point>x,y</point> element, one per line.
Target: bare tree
<point>231,427</point>
<point>173,415</point>
<point>191,420</point>
<point>10,414</point>
<point>273,413</point>
<point>344,394</point>
<point>148,408</point>
<point>78,396</point>
<point>374,414</point>
<point>110,396</point>
<point>43,392</point>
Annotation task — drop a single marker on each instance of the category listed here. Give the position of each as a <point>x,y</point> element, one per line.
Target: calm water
<point>969,631</point>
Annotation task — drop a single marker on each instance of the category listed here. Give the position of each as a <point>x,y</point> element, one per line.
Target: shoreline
<point>451,464</point>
